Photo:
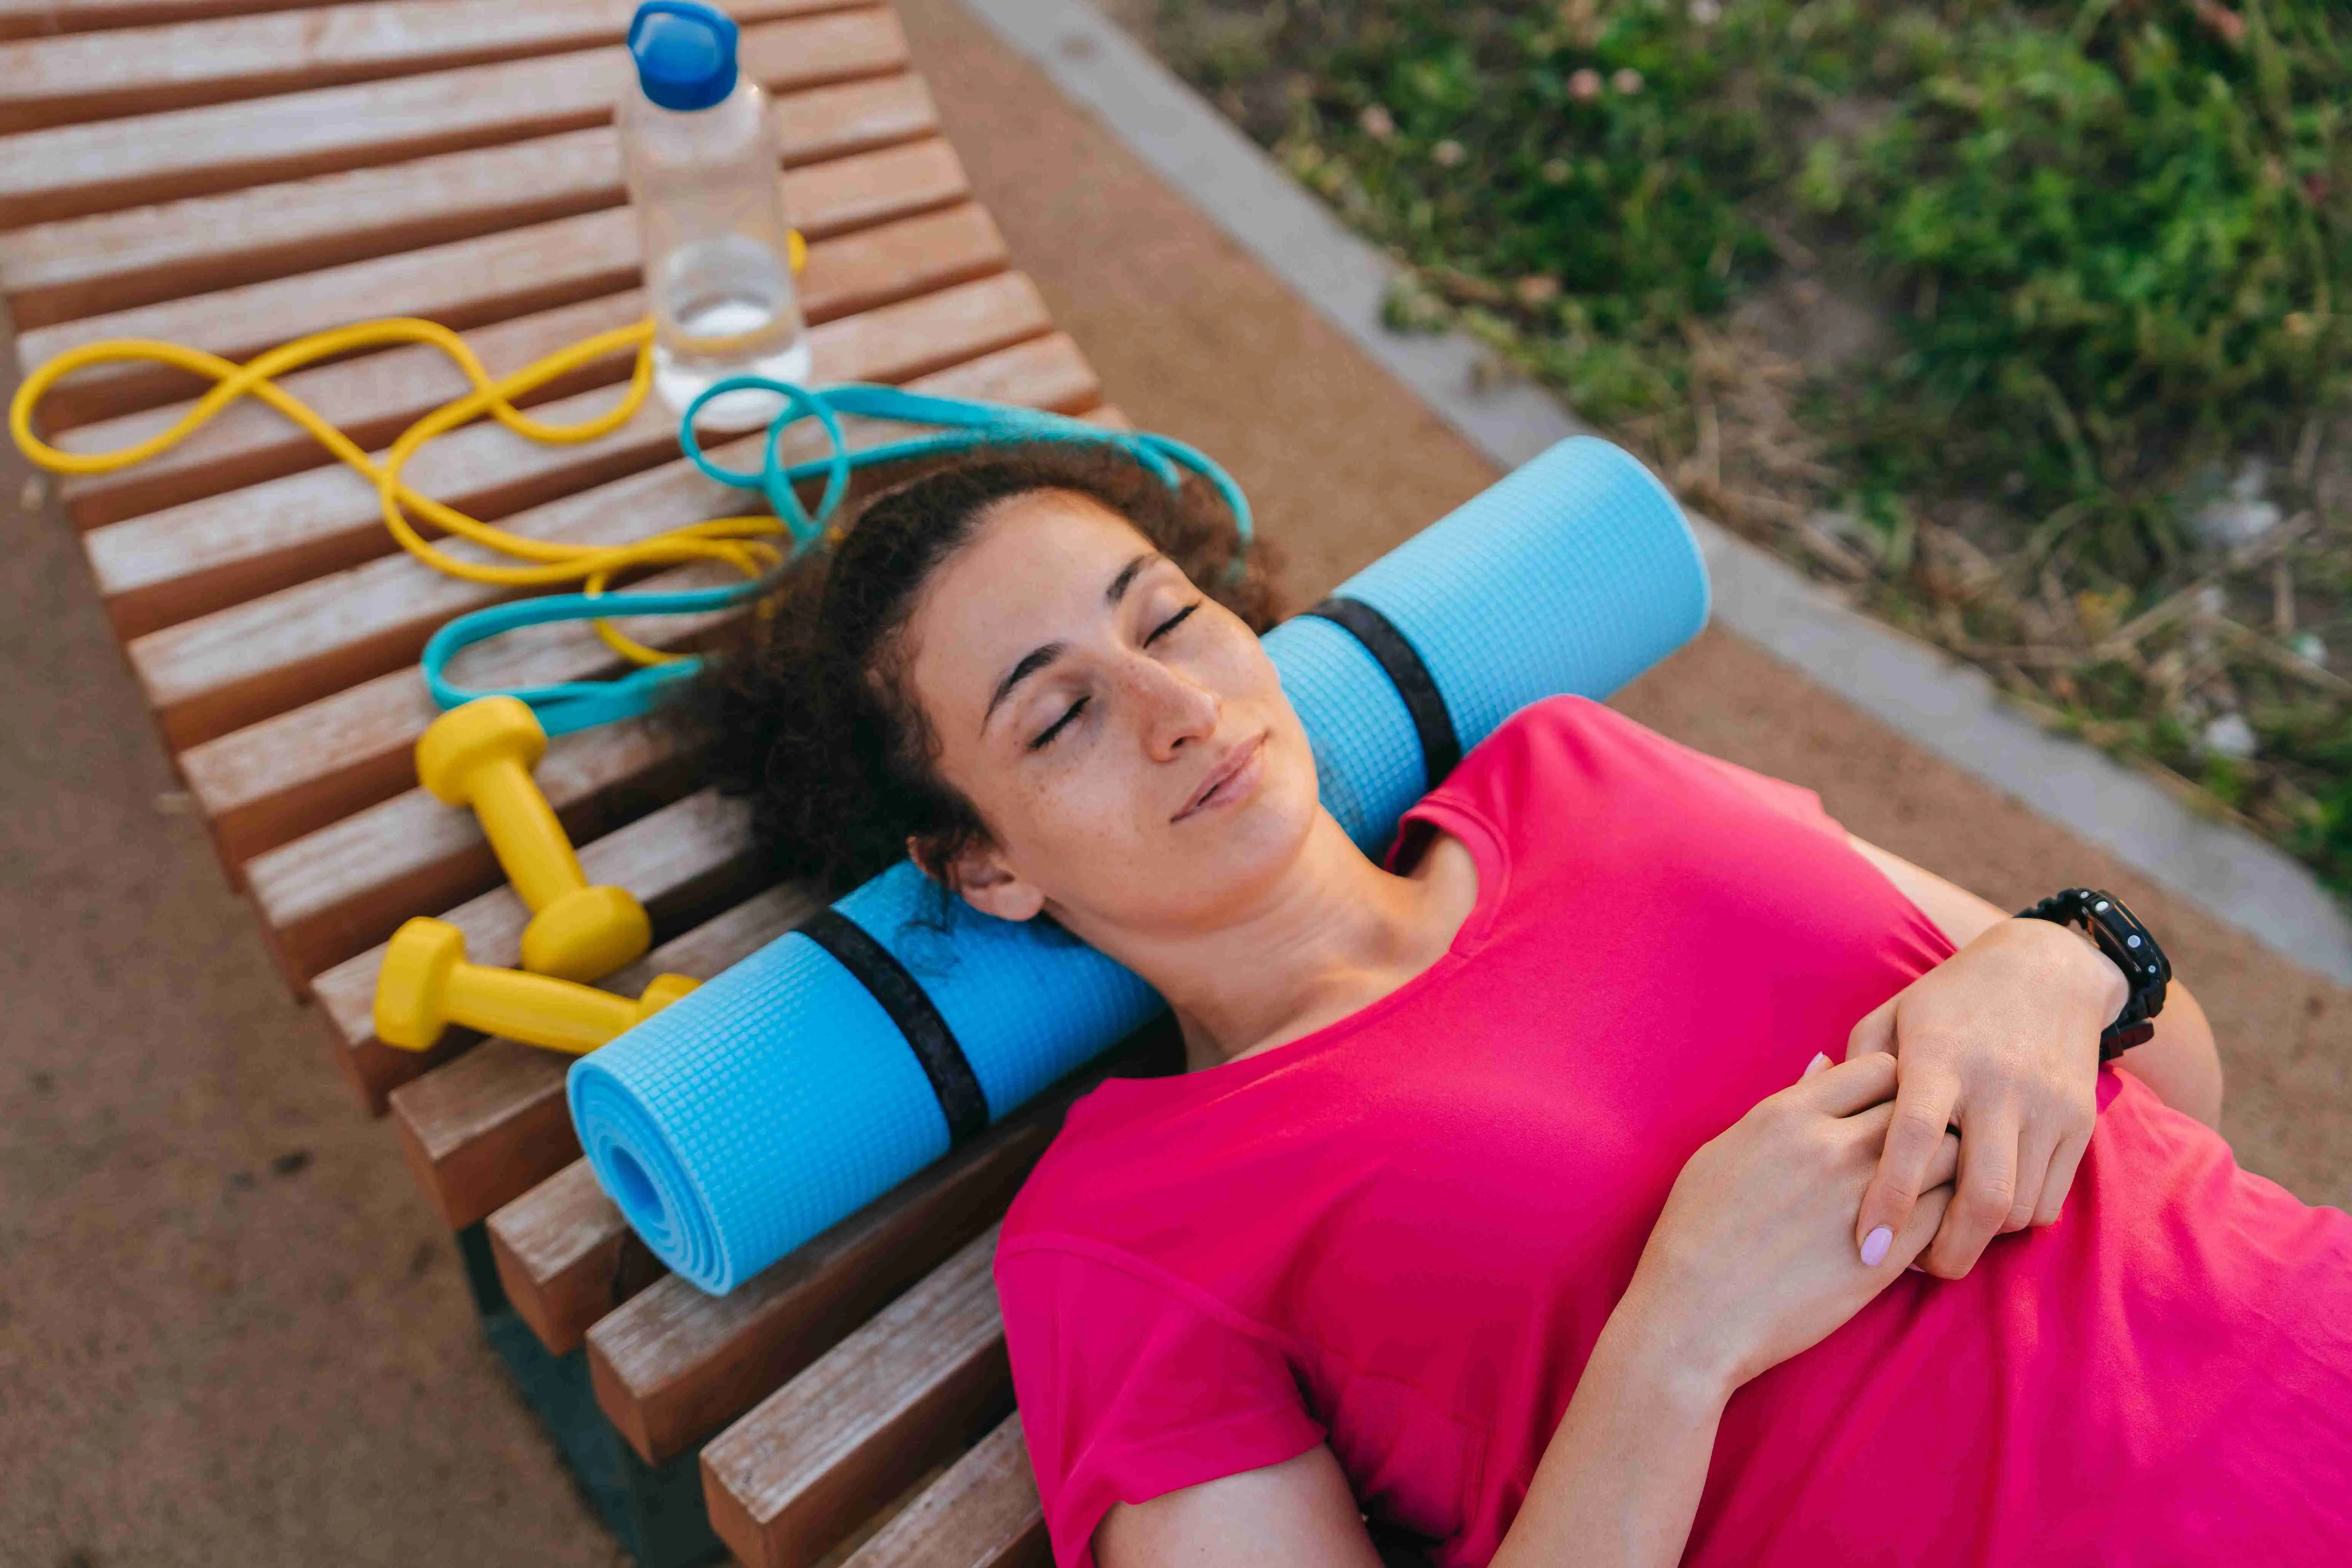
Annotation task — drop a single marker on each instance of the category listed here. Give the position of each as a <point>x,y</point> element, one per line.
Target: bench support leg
<point>658,1511</point>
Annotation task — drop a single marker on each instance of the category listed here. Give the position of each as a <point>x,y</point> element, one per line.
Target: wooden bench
<point>229,174</point>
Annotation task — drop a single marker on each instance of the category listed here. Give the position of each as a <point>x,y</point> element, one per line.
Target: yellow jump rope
<point>739,541</point>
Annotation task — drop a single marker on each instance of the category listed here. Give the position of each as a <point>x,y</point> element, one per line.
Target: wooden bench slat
<point>274,782</point>
<point>371,398</point>
<point>467,278</point>
<point>67,171</point>
<point>983,1513</point>
<point>137,70</point>
<point>565,1257</point>
<point>490,277</point>
<point>208,677</point>
<point>110,261</point>
<point>675,1365</point>
<point>466,283</point>
<point>867,1419</point>
<point>46,19</point>
<point>486,1128</point>
<point>684,862</point>
<point>347,887</point>
<point>223,671</point>
<point>204,556</point>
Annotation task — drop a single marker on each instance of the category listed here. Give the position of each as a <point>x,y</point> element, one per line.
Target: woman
<point>1511,1205</point>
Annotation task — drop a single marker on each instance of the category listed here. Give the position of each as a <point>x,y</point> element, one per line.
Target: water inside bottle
<point>726,306</point>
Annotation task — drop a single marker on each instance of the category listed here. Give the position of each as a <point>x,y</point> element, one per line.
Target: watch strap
<point>2129,946</point>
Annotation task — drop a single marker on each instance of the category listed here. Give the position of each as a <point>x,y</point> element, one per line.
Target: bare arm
<point>1619,1484</point>
<point>1750,1263</point>
<point>2180,1063</point>
<point>1296,1514</point>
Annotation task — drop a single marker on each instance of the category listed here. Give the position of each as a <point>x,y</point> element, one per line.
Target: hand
<point>1753,1259</point>
<point>2000,1040</point>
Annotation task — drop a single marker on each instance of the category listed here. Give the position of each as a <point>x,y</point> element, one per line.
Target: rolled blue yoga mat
<point>789,1092</point>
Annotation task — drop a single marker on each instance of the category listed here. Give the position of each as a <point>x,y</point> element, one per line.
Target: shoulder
<point>1571,760</point>
<point>1565,747</point>
<point>1130,1173</point>
<point>1091,1167</point>
<point>1569,723</point>
<point>1133,1383</point>
<point>1136,1375</point>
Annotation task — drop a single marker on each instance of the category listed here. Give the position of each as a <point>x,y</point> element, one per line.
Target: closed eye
<point>1172,623</point>
<point>1056,726</point>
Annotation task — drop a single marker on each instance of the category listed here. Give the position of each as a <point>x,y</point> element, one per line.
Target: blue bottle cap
<point>685,53</point>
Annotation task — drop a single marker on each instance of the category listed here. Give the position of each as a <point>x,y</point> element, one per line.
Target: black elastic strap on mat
<point>1440,748</point>
<point>933,1042</point>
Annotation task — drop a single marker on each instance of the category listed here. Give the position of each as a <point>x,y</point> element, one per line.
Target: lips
<point>1227,770</point>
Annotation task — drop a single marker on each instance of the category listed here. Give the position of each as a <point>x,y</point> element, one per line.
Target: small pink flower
<point>1585,85</point>
<point>1627,82</point>
<point>1377,122</point>
<point>1449,153</point>
<point>2221,22</point>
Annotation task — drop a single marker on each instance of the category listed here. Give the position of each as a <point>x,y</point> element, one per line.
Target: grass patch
<point>2020,323</point>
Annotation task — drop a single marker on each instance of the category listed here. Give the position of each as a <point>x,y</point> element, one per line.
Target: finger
<point>1940,1172</point>
<point>2035,1146</point>
<point>1847,1088</point>
<point>1947,1163</point>
<point>1923,1110</point>
<point>2064,1162</point>
<point>1820,1063</point>
<point>1927,1215</point>
<point>1875,1033</point>
<point>1987,1186</point>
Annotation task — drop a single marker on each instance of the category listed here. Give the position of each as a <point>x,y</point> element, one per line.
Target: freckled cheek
<point>1237,672</point>
<point>1258,671</point>
<point>1086,810</point>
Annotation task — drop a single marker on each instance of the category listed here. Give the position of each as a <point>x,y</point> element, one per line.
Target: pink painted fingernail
<point>1819,1064</point>
<point>1875,1246</point>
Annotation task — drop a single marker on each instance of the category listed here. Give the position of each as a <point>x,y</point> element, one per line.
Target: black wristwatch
<point>2119,934</point>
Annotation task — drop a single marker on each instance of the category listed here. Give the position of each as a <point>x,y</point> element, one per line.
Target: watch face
<point>2133,947</point>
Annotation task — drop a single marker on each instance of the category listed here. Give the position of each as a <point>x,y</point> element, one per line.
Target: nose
<point>1175,709</point>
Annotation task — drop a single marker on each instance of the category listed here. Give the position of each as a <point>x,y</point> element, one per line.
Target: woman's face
<point>1124,737</point>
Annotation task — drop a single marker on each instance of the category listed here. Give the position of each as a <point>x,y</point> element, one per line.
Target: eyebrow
<point>1037,658</point>
<point>1127,573</point>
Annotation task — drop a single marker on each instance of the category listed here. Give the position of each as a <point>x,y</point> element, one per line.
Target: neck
<point>1332,934</point>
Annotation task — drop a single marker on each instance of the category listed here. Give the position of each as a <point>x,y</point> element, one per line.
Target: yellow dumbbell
<point>481,755</point>
<point>427,985</point>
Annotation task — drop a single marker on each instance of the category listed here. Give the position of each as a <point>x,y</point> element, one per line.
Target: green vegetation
<point>2017,323</point>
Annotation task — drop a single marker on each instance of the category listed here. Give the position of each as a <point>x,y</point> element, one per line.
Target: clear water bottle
<point>698,145</point>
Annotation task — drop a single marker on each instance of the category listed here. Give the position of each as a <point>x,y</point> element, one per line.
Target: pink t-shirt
<point>1402,1233</point>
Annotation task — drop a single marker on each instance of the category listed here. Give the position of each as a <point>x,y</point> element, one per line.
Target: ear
<point>979,878</point>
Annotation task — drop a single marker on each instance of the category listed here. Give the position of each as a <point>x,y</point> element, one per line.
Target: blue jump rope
<point>962,425</point>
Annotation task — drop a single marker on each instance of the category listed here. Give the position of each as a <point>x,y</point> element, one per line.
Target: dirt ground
<point>230,1330</point>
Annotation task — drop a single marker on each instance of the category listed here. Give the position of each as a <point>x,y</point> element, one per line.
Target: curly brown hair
<point>806,708</point>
